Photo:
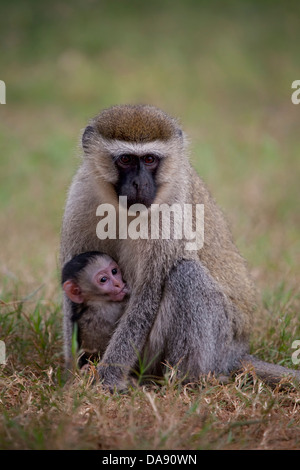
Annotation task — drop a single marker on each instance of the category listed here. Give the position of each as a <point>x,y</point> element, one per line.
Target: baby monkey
<point>94,284</point>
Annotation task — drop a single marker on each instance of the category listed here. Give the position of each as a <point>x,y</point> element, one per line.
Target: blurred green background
<point>225,69</point>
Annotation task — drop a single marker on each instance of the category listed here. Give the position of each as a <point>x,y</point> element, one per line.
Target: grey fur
<point>200,337</point>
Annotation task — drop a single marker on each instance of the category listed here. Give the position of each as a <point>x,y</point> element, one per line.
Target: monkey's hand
<point>112,377</point>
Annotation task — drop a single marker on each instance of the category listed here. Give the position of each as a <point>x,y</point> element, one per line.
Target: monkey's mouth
<point>119,296</point>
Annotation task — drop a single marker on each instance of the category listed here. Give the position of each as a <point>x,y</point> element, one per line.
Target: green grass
<point>225,70</point>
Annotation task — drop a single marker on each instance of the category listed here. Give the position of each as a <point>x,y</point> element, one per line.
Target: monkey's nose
<point>135,184</point>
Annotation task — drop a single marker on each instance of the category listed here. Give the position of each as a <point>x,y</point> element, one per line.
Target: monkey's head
<point>92,277</point>
<point>129,146</point>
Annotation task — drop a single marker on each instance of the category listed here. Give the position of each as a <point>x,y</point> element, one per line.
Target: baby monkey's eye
<point>103,279</point>
<point>114,271</point>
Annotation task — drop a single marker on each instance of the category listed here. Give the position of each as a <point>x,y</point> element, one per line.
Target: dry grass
<point>242,415</point>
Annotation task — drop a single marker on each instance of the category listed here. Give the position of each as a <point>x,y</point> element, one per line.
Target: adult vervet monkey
<point>188,307</point>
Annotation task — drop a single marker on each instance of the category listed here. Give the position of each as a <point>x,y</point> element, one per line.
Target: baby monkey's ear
<point>73,291</point>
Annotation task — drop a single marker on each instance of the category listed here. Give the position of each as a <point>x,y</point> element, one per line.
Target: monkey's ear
<point>73,291</point>
<point>86,137</point>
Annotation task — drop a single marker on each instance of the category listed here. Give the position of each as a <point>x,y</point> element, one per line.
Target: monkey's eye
<point>114,271</point>
<point>103,279</point>
<point>125,159</point>
<point>149,159</point>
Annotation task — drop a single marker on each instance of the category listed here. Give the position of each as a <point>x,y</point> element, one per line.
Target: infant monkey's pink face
<point>109,281</point>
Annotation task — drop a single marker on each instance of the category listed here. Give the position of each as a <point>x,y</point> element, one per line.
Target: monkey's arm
<point>130,337</point>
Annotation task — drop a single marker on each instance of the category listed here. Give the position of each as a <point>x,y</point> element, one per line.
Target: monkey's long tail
<point>270,373</point>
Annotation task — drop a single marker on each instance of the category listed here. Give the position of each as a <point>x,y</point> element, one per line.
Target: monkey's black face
<point>137,178</point>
